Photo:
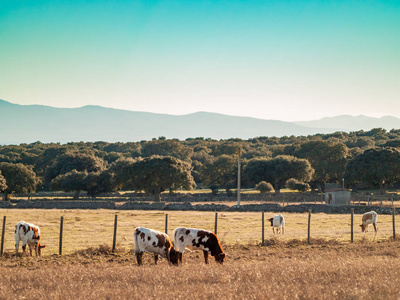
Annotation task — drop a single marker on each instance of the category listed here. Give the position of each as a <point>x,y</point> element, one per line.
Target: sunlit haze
<point>281,60</point>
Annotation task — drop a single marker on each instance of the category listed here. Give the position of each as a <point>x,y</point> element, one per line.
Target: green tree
<point>78,161</point>
<point>376,167</point>
<point>328,159</point>
<point>3,184</point>
<point>73,181</point>
<point>278,170</point>
<point>19,179</point>
<point>99,182</point>
<point>295,185</point>
<point>221,171</point>
<point>157,174</point>
<point>165,147</point>
<point>264,187</point>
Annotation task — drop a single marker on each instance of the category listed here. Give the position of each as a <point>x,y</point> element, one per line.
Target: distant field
<point>91,228</point>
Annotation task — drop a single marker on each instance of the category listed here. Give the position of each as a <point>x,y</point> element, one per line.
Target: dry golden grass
<point>90,228</point>
<point>288,270</point>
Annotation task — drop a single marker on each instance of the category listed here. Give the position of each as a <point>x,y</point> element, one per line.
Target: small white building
<point>337,196</point>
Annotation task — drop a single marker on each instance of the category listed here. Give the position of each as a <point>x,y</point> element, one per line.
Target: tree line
<point>361,159</point>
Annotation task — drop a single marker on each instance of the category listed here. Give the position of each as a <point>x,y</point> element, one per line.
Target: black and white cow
<point>198,239</point>
<point>155,242</point>
<point>28,234</point>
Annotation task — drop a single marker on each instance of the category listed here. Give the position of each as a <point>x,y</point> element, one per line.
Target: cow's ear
<point>42,246</point>
<point>361,226</point>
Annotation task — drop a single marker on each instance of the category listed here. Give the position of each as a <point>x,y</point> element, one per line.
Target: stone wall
<point>188,206</point>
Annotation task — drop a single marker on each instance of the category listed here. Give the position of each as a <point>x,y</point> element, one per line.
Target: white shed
<point>337,197</point>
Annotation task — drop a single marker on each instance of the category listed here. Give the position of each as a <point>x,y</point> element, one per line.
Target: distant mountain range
<point>31,123</point>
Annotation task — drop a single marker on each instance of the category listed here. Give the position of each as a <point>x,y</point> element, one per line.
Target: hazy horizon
<point>275,60</point>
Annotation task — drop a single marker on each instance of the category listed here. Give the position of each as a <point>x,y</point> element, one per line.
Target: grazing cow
<point>369,218</point>
<point>28,234</point>
<point>156,242</point>
<point>278,222</point>
<point>198,239</point>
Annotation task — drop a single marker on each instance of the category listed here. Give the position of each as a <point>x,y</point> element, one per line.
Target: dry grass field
<point>363,270</point>
<point>91,228</point>
<point>286,268</point>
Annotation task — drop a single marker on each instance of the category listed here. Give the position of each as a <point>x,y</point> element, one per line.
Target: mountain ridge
<point>31,123</point>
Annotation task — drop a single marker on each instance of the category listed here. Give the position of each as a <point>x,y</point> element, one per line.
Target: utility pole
<point>238,179</point>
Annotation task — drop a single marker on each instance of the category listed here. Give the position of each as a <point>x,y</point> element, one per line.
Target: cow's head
<point>363,227</point>
<point>173,256</point>
<point>272,221</point>
<point>39,248</point>
<point>220,258</point>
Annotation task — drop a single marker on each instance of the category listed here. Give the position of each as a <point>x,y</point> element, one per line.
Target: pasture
<point>91,228</point>
<point>286,268</point>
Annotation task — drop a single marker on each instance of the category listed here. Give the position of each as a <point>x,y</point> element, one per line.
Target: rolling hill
<point>31,123</point>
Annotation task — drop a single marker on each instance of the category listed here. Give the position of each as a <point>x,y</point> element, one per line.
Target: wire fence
<point>67,231</point>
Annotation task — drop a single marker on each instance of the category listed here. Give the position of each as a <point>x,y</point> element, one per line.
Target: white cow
<point>198,239</point>
<point>369,218</point>
<point>278,223</point>
<point>28,234</point>
<point>155,242</point>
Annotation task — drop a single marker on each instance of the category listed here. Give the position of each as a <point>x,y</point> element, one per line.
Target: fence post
<point>368,200</point>
<point>309,224</point>
<point>392,201</point>
<point>2,235</point>
<point>166,223</point>
<point>262,230</point>
<point>381,202</point>
<point>352,223</point>
<point>394,226</point>
<point>61,236</point>
<point>115,233</point>
<point>216,223</point>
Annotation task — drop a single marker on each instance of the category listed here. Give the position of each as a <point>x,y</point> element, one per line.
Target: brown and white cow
<point>198,239</point>
<point>278,223</point>
<point>28,234</point>
<point>367,219</point>
<point>156,242</point>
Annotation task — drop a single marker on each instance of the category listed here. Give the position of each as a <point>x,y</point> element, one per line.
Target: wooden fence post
<point>216,223</point>
<point>394,225</point>
<point>61,236</point>
<point>115,233</point>
<point>262,230</point>
<point>309,225</point>
<point>166,223</point>
<point>2,235</point>
<point>368,200</point>
<point>352,223</point>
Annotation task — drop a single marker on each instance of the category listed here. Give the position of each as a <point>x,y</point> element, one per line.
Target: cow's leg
<point>139,258</point>
<point>283,230</point>
<point>205,256</point>
<point>30,249</point>
<point>374,226</point>
<point>16,246</point>
<point>23,249</point>
<point>273,230</point>
<point>180,254</point>
<point>155,258</point>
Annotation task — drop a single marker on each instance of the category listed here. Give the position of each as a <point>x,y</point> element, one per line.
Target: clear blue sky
<point>285,60</point>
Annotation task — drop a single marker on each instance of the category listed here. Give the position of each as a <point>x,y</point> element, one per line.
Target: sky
<point>276,60</point>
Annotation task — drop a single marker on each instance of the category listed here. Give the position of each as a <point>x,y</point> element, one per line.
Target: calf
<point>369,218</point>
<point>28,234</point>
<point>278,223</point>
<point>156,242</point>
<point>198,239</point>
